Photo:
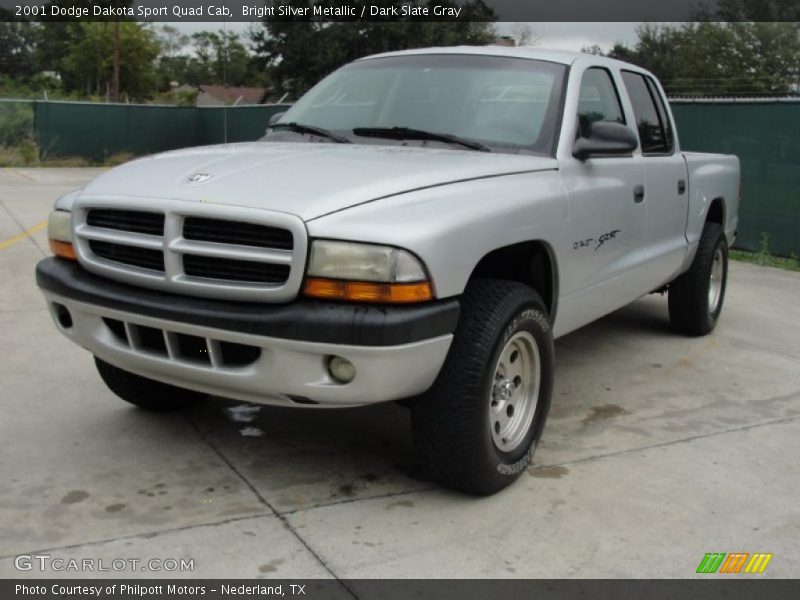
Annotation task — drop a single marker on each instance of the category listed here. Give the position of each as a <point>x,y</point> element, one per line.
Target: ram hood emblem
<point>199,177</point>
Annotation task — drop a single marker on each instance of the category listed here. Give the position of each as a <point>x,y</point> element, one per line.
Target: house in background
<point>504,40</point>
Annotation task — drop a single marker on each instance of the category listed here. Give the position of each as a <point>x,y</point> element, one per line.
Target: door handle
<point>681,186</point>
<point>638,193</point>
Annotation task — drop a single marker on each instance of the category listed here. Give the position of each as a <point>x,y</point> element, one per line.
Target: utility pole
<point>115,83</point>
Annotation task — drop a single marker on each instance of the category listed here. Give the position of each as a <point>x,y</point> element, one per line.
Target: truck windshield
<point>504,104</point>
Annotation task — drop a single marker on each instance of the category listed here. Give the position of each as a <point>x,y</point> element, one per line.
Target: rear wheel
<point>145,393</point>
<point>476,429</point>
<point>696,297</point>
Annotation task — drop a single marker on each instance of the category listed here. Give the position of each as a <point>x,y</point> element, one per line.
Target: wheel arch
<point>531,262</point>
<point>716,211</point>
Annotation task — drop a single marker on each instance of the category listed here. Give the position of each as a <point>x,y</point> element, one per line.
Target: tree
<point>216,57</point>
<point>524,35</point>
<point>656,50</point>
<point>17,47</point>
<point>593,49</point>
<point>172,41</point>
<point>719,58</point>
<point>57,35</point>
<point>221,58</point>
<point>299,52</point>
<point>172,60</point>
<point>90,59</point>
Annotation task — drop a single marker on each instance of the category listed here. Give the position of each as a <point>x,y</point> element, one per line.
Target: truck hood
<point>304,179</point>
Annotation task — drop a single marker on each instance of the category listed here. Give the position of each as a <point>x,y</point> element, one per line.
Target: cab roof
<point>557,56</point>
<point>563,57</point>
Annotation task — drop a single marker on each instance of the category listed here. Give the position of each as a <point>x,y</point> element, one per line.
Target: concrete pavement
<point>659,448</point>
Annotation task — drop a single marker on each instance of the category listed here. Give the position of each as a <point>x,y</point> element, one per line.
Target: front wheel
<point>695,298</point>
<point>145,393</point>
<point>477,427</point>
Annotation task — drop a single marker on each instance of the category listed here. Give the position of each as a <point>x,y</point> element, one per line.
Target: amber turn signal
<point>63,249</point>
<point>363,291</point>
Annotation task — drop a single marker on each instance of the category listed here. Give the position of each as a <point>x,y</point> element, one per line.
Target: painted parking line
<point>21,236</point>
<point>22,174</point>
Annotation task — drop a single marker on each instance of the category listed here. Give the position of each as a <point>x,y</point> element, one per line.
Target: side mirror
<point>605,138</point>
<point>275,118</point>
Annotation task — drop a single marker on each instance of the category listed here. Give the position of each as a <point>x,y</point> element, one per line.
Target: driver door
<point>606,215</point>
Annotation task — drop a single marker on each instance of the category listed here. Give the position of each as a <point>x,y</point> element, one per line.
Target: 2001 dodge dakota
<point>420,225</point>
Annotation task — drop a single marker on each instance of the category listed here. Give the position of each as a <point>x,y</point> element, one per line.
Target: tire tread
<point>444,418</point>
<point>145,393</point>
<point>688,293</point>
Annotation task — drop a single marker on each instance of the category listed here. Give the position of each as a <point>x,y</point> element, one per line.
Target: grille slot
<point>183,347</point>
<point>239,233</point>
<point>193,348</point>
<point>151,339</point>
<point>144,258</point>
<point>238,355</point>
<point>126,220</point>
<point>117,328</point>
<point>209,267</point>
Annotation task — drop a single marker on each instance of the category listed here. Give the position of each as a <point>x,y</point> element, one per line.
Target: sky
<point>574,36</point>
<point>553,36</point>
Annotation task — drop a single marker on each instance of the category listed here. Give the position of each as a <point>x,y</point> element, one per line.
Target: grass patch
<point>763,258</point>
<point>66,161</point>
<point>118,158</point>
<point>790,264</point>
<point>27,155</point>
<point>23,155</point>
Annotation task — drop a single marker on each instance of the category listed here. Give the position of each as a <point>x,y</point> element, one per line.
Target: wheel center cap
<point>503,389</point>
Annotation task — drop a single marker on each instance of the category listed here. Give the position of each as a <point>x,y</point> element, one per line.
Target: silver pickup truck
<point>419,226</point>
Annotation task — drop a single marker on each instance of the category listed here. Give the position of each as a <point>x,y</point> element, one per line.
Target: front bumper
<point>397,351</point>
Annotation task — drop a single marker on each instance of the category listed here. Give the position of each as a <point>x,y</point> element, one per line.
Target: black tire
<point>690,311</point>
<point>145,393</point>
<point>451,421</point>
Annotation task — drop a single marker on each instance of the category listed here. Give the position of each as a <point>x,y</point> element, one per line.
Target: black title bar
<point>388,10</point>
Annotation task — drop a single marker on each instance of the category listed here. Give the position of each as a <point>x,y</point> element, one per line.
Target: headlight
<point>66,201</point>
<point>59,234</point>
<point>365,273</point>
<point>58,226</point>
<point>363,262</point>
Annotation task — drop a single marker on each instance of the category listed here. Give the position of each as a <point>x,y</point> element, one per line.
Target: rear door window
<point>655,135</point>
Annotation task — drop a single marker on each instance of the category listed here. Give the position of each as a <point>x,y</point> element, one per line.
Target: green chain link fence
<point>97,131</point>
<point>765,135</point>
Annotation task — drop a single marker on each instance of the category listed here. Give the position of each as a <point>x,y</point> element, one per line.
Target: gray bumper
<point>287,372</point>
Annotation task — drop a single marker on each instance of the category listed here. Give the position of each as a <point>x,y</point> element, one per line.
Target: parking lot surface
<point>659,449</point>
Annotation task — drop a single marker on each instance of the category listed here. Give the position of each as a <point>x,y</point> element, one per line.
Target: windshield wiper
<point>407,133</point>
<point>311,129</point>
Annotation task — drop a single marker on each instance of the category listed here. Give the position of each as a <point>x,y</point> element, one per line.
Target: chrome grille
<point>192,248</point>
